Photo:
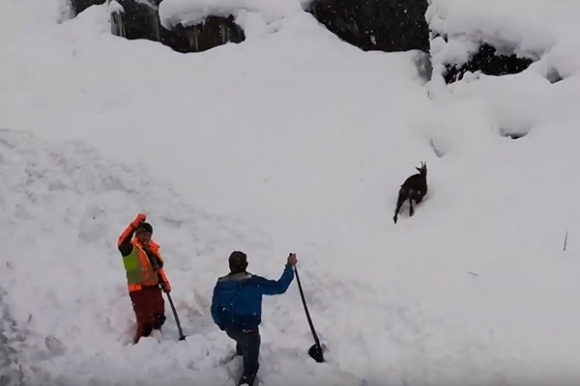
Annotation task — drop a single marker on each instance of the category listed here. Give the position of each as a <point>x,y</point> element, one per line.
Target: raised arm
<point>276,287</point>
<point>124,243</point>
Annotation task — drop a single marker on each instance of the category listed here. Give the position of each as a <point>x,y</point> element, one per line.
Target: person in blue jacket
<point>237,308</point>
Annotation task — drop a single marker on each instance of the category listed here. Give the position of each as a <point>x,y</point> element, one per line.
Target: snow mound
<point>538,29</point>
<point>191,12</point>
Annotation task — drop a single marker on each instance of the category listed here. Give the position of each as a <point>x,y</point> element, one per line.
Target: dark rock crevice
<point>79,6</point>
<point>139,21</point>
<point>490,62</point>
<point>376,25</point>
<point>213,32</point>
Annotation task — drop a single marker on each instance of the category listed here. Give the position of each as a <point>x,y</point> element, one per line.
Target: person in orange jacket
<point>145,276</point>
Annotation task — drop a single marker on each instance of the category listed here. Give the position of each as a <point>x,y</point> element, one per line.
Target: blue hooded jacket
<point>237,298</point>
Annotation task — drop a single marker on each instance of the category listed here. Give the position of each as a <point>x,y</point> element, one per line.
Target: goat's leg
<point>411,209</point>
<point>400,202</point>
<point>396,216</point>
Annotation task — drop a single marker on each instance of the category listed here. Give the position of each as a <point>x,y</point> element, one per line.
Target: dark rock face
<point>488,62</point>
<point>80,5</point>
<point>140,21</point>
<point>383,25</point>
<point>213,32</point>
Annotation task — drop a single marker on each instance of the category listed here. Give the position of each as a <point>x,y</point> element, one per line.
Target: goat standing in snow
<point>413,189</point>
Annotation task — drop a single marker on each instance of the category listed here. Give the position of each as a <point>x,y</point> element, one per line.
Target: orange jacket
<point>143,268</point>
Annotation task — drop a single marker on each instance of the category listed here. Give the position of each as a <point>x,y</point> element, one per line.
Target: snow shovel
<point>156,268</point>
<point>181,336</point>
<point>315,351</point>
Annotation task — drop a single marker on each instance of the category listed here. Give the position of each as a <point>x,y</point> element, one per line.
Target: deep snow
<point>290,141</point>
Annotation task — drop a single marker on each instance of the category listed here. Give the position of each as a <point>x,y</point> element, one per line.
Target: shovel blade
<point>315,353</point>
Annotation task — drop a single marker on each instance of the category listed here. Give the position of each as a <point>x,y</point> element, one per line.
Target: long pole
<point>156,268</point>
<point>316,350</point>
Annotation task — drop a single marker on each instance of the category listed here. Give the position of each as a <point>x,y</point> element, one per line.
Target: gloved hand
<point>166,287</point>
<point>138,220</point>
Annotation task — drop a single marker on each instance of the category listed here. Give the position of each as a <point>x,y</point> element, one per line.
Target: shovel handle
<point>312,330</point>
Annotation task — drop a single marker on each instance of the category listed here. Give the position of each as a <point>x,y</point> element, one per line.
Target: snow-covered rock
<point>545,31</point>
<point>114,6</point>
<point>190,12</point>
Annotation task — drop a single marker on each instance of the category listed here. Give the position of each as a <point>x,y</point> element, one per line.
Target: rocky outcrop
<point>383,25</point>
<point>489,62</point>
<point>213,32</point>
<point>371,25</point>
<point>136,19</point>
<point>139,19</point>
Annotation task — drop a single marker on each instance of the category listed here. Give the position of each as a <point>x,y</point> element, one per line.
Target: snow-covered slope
<point>290,141</point>
<point>63,208</point>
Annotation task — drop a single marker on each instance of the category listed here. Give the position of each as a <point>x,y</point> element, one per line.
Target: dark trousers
<point>149,310</point>
<point>248,346</point>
